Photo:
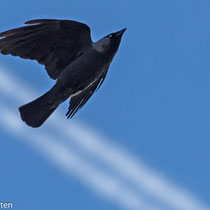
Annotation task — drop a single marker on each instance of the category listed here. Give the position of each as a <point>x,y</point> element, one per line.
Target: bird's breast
<point>83,71</point>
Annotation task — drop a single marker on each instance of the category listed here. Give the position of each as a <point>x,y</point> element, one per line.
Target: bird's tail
<point>36,112</point>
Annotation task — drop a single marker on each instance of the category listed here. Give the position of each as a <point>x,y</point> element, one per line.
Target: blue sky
<point>154,103</point>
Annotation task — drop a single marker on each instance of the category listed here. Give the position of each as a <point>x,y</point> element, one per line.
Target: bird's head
<point>110,43</point>
<point>115,38</point>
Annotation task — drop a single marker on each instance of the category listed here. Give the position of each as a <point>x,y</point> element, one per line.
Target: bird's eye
<point>110,35</point>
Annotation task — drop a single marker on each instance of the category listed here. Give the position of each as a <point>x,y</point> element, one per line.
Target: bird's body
<point>84,70</point>
<point>78,65</point>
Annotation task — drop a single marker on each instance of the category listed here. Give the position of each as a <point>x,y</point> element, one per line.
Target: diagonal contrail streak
<point>135,171</point>
<point>67,160</point>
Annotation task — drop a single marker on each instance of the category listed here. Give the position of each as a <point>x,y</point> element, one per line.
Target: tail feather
<point>37,112</point>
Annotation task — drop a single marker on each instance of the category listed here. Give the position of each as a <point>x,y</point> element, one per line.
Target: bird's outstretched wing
<point>78,101</point>
<point>53,43</point>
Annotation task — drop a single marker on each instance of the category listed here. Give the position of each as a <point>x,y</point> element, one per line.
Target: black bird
<point>65,48</point>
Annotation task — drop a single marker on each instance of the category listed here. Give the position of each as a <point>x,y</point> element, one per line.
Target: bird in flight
<point>77,64</point>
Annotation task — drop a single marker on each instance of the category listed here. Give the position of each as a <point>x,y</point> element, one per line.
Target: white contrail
<point>132,170</point>
<point>108,186</point>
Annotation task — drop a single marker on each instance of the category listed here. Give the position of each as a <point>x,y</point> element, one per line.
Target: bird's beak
<point>120,33</point>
